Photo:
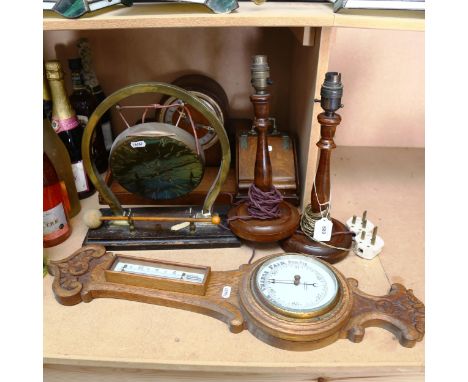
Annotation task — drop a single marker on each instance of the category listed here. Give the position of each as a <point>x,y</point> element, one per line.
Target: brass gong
<point>158,161</point>
<point>167,90</point>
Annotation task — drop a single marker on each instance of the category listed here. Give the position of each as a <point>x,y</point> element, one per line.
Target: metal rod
<point>374,235</point>
<point>214,219</point>
<point>364,219</point>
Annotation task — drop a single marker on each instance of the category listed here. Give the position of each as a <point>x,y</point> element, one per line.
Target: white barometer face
<point>296,285</point>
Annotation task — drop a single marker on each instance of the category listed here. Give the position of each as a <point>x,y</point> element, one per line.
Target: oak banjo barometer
<point>288,300</point>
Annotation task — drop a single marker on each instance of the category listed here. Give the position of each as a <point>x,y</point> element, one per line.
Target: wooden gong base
<point>264,231</point>
<point>239,297</point>
<point>158,235</point>
<point>300,243</point>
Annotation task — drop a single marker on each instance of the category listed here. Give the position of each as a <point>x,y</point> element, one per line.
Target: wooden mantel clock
<point>288,300</point>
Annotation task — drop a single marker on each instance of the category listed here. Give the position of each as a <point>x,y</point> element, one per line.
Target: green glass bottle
<point>84,103</point>
<point>91,80</point>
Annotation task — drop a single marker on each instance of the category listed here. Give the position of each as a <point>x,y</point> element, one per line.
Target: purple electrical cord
<point>262,205</point>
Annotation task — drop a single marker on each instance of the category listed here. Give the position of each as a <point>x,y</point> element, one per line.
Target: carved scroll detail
<point>399,311</point>
<point>81,278</point>
<point>73,272</point>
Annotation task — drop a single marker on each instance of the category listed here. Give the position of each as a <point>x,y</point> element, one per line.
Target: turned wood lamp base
<point>264,231</point>
<point>300,243</point>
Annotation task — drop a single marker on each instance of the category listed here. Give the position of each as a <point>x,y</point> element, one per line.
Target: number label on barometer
<point>296,286</point>
<point>162,275</point>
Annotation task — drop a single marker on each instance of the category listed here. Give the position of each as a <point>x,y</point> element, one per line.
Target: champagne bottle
<point>56,227</point>
<point>46,100</point>
<point>84,103</point>
<point>68,128</point>
<point>58,155</point>
<point>90,80</point>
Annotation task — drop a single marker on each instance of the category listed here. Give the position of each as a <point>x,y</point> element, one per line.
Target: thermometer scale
<point>165,273</point>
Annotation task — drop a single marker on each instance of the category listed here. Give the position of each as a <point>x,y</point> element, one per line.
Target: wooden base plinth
<point>158,235</point>
<point>264,231</point>
<point>302,244</point>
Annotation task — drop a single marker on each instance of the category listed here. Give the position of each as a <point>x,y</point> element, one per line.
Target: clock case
<point>82,277</point>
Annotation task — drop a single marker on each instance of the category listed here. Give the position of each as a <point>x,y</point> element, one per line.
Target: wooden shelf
<point>113,338</point>
<point>248,14</point>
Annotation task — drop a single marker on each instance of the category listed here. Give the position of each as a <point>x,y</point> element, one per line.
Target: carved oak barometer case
<point>288,300</point>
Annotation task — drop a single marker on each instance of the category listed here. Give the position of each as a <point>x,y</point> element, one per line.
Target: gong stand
<point>338,247</point>
<point>231,297</point>
<point>158,235</point>
<point>240,220</point>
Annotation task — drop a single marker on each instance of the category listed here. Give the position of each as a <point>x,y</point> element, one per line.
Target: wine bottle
<point>84,103</point>
<point>90,80</point>
<point>66,125</point>
<point>56,227</point>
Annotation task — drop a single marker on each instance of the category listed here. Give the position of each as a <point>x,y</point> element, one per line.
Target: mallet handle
<point>214,219</point>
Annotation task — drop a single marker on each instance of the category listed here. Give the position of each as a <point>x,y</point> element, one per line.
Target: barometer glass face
<point>296,285</point>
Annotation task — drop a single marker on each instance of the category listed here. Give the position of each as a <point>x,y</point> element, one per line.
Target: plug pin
<point>374,235</point>
<point>354,219</point>
<point>364,219</point>
<point>363,235</point>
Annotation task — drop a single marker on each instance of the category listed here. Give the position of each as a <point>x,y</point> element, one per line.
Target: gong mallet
<point>94,219</point>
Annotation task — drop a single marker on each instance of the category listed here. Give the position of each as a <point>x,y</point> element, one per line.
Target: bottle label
<point>54,222</point>
<point>77,82</point>
<point>79,174</point>
<point>107,133</point>
<point>83,119</point>
<point>60,125</point>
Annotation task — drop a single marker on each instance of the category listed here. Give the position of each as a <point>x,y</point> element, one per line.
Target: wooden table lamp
<point>337,248</point>
<point>264,217</point>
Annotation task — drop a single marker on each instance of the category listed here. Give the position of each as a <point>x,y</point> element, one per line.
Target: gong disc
<point>157,160</point>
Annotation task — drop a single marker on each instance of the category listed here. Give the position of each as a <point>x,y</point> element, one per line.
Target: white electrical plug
<point>356,224</point>
<point>368,244</point>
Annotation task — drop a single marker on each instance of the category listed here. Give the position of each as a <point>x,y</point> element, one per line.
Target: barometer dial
<point>296,285</point>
